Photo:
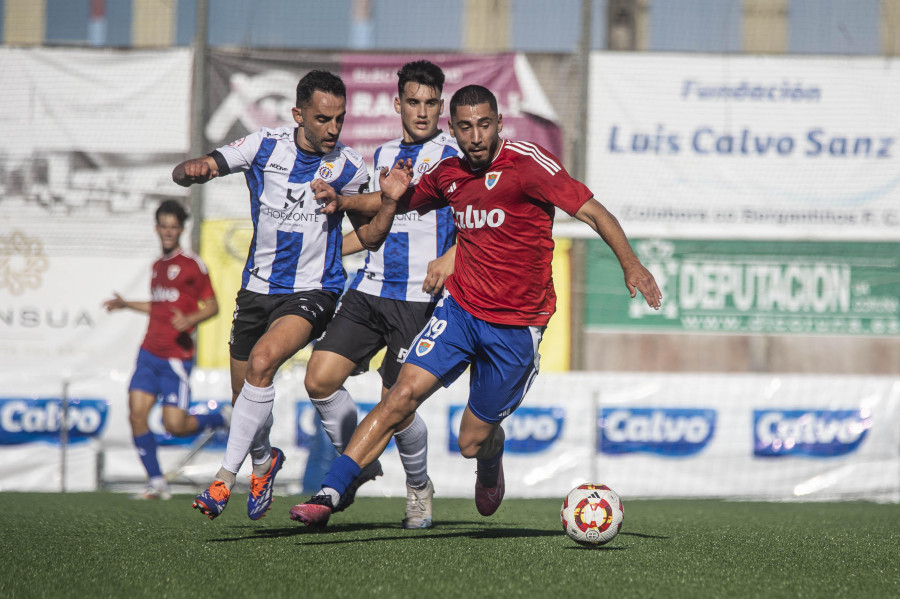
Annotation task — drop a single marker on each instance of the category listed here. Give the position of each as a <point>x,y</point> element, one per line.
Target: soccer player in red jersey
<point>181,298</point>
<point>500,296</point>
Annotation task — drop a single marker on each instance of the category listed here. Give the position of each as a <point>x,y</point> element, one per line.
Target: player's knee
<point>318,386</point>
<point>261,368</point>
<point>468,448</point>
<point>177,426</point>
<point>475,446</point>
<point>138,420</point>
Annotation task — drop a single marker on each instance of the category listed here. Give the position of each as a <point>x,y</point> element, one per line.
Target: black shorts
<point>255,312</point>
<point>365,323</point>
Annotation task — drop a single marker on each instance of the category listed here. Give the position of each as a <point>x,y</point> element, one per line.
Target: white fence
<point>764,437</point>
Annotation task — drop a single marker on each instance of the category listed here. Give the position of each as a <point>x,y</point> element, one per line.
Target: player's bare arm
<point>395,186</point>
<point>365,204</point>
<point>637,277</point>
<point>371,231</point>
<point>438,270</point>
<point>118,303</point>
<point>185,322</point>
<point>397,180</point>
<point>195,170</point>
<point>350,244</point>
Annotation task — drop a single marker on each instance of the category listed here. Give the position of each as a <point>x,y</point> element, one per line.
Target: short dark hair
<point>174,208</point>
<point>472,95</point>
<point>422,72</point>
<point>322,81</point>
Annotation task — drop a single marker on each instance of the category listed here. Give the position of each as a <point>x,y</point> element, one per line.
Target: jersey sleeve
<point>374,184</point>
<point>358,182</point>
<point>239,154</point>
<point>204,284</point>
<point>544,178</point>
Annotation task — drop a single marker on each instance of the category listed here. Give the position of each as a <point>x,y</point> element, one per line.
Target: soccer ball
<point>592,514</point>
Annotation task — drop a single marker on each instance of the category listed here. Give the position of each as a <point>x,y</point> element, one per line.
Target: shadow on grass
<point>350,532</point>
<point>440,532</point>
<point>447,529</point>
<point>643,536</point>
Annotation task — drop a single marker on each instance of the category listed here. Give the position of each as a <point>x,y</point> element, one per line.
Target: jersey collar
<point>410,144</point>
<point>176,252</point>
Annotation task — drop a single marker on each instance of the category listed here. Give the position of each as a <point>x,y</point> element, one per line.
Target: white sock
<point>412,442</point>
<point>338,414</point>
<point>261,450</point>
<point>251,411</point>
<point>335,496</point>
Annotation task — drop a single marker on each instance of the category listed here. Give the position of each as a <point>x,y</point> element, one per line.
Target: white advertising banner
<point>123,102</point>
<point>90,140</point>
<point>709,435</point>
<point>744,146</point>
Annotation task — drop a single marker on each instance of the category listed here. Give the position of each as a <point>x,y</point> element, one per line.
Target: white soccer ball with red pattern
<point>592,514</point>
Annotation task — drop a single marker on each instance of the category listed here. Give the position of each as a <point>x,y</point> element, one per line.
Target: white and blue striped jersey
<point>294,247</point>
<point>397,270</point>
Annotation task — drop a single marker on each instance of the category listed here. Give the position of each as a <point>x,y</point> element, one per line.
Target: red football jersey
<point>504,219</point>
<point>181,281</point>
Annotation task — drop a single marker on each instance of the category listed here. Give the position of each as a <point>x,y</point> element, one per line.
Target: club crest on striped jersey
<point>490,179</point>
<point>424,346</point>
<point>326,171</point>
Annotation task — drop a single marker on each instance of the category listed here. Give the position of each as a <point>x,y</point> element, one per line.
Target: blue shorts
<point>169,378</point>
<point>504,358</point>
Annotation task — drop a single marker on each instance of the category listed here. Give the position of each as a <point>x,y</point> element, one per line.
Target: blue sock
<point>211,420</point>
<point>146,448</point>
<point>343,471</point>
<point>489,470</point>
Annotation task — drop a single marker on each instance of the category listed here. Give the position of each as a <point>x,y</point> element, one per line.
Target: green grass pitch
<point>105,545</point>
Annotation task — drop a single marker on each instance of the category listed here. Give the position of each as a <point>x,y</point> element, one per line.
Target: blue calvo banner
<point>808,433</point>
<point>39,420</point>
<point>528,430</point>
<point>672,432</point>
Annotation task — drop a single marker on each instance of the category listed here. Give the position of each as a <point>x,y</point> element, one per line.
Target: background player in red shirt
<point>182,297</point>
<point>500,296</point>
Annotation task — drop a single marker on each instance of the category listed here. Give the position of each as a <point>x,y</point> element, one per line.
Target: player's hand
<point>179,321</point>
<point>196,170</point>
<point>116,303</point>
<point>326,196</point>
<point>438,271</point>
<point>395,182</point>
<point>638,278</point>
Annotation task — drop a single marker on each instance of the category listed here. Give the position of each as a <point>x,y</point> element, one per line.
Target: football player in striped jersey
<point>293,274</point>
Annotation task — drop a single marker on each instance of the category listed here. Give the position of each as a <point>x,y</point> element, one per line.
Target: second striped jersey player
<point>398,269</point>
<point>393,295</point>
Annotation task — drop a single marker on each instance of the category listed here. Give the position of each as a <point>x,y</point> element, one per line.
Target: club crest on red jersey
<point>424,346</point>
<point>173,271</point>
<point>490,179</point>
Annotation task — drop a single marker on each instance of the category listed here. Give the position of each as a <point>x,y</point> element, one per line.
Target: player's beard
<point>483,158</point>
